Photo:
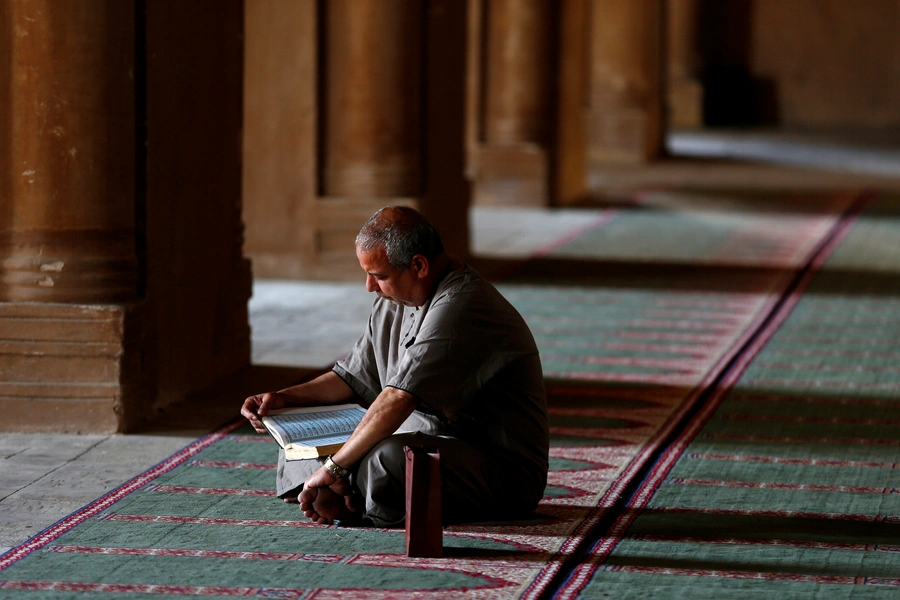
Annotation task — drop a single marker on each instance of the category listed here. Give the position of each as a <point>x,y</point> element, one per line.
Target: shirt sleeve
<point>359,369</point>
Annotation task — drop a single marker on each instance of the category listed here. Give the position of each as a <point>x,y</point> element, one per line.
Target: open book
<point>313,431</point>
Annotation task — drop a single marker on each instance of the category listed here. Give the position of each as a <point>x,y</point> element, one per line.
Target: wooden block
<point>424,526</point>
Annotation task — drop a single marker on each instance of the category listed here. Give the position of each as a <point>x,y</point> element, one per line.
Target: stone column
<point>198,283</point>
<point>448,191</point>
<point>518,81</point>
<point>685,90</point>
<point>570,158</point>
<point>280,135</point>
<point>68,152</point>
<point>372,119</point>
<point>373,98</point>
<point>626,120</point>
<point>518,84</point>
<point>69,347</point>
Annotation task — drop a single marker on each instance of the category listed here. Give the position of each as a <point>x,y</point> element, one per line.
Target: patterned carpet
<point>785,486</point>
<point>636,320</point>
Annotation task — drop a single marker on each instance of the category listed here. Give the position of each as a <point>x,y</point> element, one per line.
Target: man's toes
<point>308,495</point>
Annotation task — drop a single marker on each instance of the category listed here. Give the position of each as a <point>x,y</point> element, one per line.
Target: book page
<point>317,425</point>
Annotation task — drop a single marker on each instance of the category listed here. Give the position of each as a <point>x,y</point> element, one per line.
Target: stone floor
<point>44,478</point>
<point>873,151</point>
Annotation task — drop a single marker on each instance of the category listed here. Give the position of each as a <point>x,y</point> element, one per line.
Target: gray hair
<point>403,232</point>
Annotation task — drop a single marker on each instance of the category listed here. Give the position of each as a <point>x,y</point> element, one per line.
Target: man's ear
<point>420,265</point>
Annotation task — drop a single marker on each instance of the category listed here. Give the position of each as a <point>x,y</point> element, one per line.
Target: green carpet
<point>787,485</point>
<point>635,319</point>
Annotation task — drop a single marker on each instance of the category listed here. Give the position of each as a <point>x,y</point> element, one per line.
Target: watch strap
<point>336,469</point>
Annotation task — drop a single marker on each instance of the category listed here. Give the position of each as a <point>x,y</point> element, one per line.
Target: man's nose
<point>371,284</point>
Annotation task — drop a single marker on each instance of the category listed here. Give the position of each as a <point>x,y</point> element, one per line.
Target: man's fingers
<point>263,404</point>
<point>247,412</point>
<point>253,409</point>
<point>250,408</point>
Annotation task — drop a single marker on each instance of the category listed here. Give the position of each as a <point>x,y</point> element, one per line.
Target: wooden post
<point>424,526</point>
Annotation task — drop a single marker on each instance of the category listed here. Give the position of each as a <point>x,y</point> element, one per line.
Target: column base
<point>623,136</point>
<point>685,104</point>
<point>70,368</point>
<point>80,266</point>
<point>515,175</point>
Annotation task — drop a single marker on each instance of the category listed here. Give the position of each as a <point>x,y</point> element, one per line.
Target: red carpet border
<point>631,334</point>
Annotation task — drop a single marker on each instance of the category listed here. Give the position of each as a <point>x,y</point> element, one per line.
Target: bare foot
<point>291,500</point>
<point>323,505</point>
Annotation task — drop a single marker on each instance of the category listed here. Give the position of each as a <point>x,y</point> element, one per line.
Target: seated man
<point>444,356</point>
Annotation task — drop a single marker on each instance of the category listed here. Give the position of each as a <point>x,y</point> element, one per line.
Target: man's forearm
<point>325,389</point>
<point>389,410</point>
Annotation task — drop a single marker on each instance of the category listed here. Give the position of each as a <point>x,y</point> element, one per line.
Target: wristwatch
<point>336,469</point>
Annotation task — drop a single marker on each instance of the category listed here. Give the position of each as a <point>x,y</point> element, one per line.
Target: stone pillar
<point>685,89</point>
<point>626,120</point>
<point>569,179</point>
<point>373,98</point>
<point>375,109</point>
<point>448,191</point>
<point>68,340</point>
<point>68,153</point>
<point>518,82</point>
<point>280,133</point>
<point>198,282</point>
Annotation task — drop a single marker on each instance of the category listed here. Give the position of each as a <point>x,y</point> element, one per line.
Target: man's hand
<point>325,497</point>
<point>258,406</point>
<point>325,389</point>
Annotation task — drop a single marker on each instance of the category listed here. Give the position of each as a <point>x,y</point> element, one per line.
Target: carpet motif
<point>786,483</point>
<point>628,344</point>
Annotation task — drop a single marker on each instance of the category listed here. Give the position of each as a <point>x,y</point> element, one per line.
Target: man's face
<point>401,287</point>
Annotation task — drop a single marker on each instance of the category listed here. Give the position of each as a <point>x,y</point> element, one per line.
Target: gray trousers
<point>472,487</point>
